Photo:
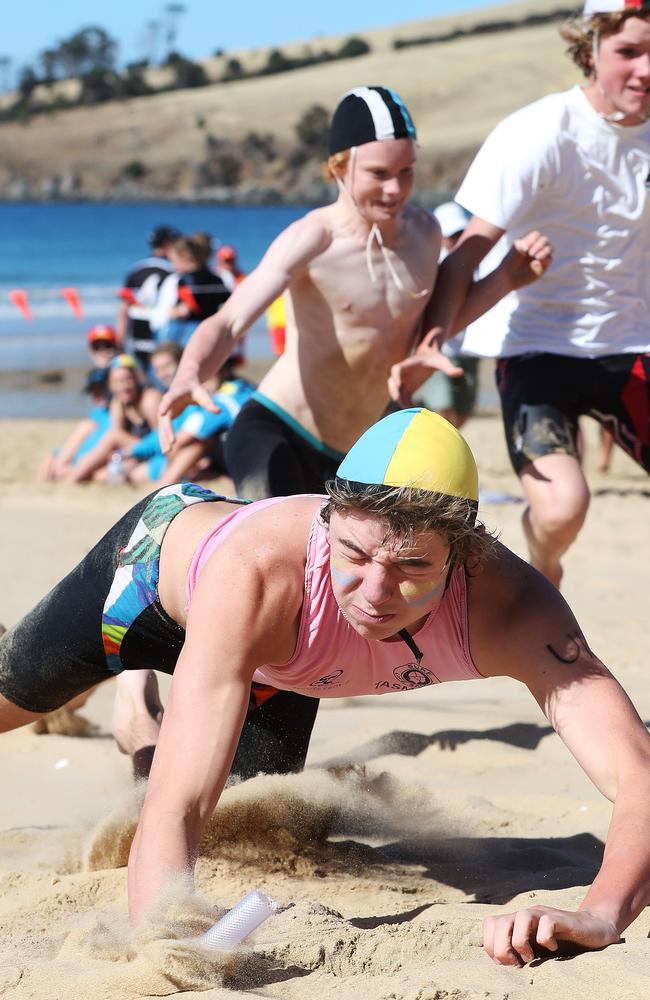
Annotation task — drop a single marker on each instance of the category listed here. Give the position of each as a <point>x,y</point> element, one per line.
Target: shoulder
<point>269,546</point>
<point>421,224</point>
<point>511,609</point>
<point>313,233</point>
<point>545,110</point>
<point>525,134</point>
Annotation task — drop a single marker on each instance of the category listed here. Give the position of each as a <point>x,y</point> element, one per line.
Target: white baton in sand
<point>239,922</point>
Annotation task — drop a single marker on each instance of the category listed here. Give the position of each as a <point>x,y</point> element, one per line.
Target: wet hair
<point>580,34</point>
<point>406,512</point>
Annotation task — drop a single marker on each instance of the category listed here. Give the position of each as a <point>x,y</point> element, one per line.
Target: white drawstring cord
<point>375,234</point>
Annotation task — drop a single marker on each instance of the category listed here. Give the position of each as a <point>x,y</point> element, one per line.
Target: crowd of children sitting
<point>118,440</point>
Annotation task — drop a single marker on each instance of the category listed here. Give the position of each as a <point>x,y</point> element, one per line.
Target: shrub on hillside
<point>312,129</point>
<point>352,47</point>
<point>261,146</point>
<point>134,170</point>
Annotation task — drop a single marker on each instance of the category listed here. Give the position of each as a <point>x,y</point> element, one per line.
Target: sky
<point>205,25</point>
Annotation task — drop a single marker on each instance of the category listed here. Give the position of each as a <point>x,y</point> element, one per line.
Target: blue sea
<point>45,248</point>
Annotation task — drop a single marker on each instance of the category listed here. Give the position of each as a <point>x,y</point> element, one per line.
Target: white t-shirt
<point>558,166</point>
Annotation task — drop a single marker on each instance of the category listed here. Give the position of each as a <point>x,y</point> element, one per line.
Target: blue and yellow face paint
<point>417,593</point>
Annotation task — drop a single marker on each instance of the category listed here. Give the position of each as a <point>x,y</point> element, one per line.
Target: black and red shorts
<point>542,396</point>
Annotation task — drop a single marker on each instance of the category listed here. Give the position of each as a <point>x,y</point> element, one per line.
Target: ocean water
<point>45,248</point>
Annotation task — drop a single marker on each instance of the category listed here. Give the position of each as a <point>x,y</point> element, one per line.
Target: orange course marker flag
<point>185,295</point>
<point>72,298</point>
<point>18,298</point>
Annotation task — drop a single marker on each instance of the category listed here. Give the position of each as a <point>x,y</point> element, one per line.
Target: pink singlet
<point>331,659</point>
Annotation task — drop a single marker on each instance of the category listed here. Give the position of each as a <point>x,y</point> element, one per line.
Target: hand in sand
<point>177,397</point>
<point>528,259</point>
<point>407,376</point>
<point>518,938</point>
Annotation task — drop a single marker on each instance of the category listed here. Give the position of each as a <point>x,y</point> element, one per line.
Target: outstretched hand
<point>177,397</point>
<point>517,938</point>
<point>528,259</point>
<point>407,376</point>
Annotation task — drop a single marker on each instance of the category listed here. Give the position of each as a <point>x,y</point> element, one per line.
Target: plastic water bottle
<point>239,922</point>
<point>115,468</point>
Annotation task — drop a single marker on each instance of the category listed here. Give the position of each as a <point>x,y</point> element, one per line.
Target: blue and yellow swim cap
<point>123,361</point>
<point>414,448</point>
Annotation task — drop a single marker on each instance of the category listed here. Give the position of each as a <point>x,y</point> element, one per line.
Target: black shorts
<point>59,650</point>
<point>268,458</point>
<point>542,396</point>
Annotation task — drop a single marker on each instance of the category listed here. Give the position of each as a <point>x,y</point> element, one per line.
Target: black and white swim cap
<point>369,114</point>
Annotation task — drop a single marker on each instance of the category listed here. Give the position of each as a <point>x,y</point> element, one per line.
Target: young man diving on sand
<point>387,584</point>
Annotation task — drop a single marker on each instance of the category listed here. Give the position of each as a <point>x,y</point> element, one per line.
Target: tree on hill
<point>312,129</point>
<point>90,50</point>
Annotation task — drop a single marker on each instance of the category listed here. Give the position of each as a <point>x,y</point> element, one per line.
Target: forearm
<point>481,296</point>
<point>622,887</point>
<point>161,852</point>
<point>208,348</point>
<point>451,289</point>
<point>184,787</point>
<point>70,447</point>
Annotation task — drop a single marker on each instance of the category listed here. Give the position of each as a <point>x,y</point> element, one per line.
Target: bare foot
<point>137,712</point>
<point>64,722</point>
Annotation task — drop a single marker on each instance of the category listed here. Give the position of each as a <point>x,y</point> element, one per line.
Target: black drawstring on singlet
<point>410,642</point>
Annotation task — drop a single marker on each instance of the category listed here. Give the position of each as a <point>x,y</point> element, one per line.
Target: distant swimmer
<point>385,585</point>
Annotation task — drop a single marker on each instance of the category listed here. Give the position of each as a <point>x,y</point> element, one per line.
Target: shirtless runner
<point>357,277</point>
<point>389,585</point>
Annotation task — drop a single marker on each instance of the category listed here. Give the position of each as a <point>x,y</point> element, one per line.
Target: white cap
<point>613,6</point>
<point>452,217</point>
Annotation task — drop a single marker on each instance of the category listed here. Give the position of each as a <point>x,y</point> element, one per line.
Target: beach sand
<point>462,803</point>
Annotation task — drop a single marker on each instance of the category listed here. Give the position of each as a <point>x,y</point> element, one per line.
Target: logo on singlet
<point>408,677</point>
<point>328,680</point>
<point>413,675</point>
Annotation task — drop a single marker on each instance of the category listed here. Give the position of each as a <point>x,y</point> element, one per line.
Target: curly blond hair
<point>580,35</point>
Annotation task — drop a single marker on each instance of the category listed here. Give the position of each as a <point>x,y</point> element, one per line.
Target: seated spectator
<point>199,434</point>
<point>87,433</point>
<point>164,362</point>
<point>133,413</point>
<point>102,344</point>
<point>191,294</point>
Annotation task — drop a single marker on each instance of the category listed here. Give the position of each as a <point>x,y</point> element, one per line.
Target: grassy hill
<point>197,143</point>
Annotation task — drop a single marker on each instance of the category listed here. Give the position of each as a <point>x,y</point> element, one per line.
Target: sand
<point>418,813</point>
